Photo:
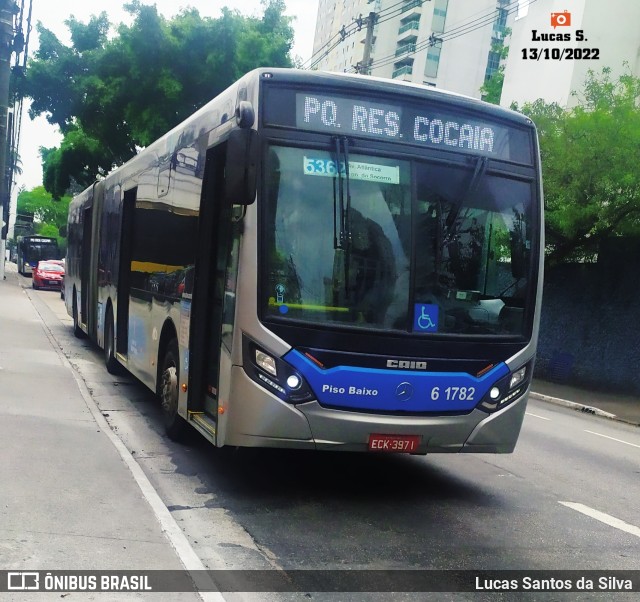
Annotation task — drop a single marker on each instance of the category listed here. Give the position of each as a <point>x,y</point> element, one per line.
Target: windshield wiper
<point>342,236</point>
<point>448,226</point>
<point>342,211</point>
<point>451,222</point>
<point>338,200</point>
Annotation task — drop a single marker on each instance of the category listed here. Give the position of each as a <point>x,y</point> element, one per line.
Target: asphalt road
<point>568,498</point>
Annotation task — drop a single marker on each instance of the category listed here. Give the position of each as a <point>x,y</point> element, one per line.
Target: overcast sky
<point>52,15</point>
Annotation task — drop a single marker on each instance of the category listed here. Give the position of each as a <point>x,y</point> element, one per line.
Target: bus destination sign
<point>435,127</point>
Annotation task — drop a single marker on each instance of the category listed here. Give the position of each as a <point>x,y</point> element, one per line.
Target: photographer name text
<point>577,53</point>
<point>531,584</point>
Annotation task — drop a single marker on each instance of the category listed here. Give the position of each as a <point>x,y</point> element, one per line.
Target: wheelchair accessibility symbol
<point>425,317</point>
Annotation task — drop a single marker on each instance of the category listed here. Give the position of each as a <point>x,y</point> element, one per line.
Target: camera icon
<point>562,19</point>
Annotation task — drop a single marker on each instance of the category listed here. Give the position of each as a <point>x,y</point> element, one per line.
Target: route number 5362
<point>325,167</point>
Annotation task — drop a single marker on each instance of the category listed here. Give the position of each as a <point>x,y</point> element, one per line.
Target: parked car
<point>63,261</point>
<point>48,274</point>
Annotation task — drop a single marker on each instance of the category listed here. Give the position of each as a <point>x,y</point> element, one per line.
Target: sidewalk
<point>70,499</point>
<point>625,408</point>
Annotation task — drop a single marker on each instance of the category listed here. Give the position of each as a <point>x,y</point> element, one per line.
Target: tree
<point>590,157</point>
<point>49,215</point>
<point>491,90</point>
<point>112,96</point>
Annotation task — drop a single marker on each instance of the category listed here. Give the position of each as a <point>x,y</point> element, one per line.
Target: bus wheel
<point>175,426</point>
<point>77,331</point>
<point>113,367</point>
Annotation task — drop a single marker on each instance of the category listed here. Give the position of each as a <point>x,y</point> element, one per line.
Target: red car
<point>48,274</point>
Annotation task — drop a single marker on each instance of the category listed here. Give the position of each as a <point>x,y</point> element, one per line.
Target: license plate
<point>394,443</point>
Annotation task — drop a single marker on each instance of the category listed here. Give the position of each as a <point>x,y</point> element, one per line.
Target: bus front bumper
<point>266,421</point>
<point>476,432</point>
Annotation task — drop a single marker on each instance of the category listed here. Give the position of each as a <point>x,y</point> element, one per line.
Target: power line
<point>345,31</point>
<point>451,34</point>
<point>342,34</point>
<point>391,12</point>
<point>21,53</point>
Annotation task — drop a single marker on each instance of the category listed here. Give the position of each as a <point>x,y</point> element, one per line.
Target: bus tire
<point>175,425</point>
<point>77,331</point>
<point>110,361</point>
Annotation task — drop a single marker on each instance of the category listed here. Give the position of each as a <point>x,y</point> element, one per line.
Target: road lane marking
<point>612,521</point>
<point>536,416</point>
<point>613,439</point>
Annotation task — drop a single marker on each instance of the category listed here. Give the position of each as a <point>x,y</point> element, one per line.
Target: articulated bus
<point>32,249</point>
<point>322,261</point>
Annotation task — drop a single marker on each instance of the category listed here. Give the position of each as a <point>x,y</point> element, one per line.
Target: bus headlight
<point>274,374</point>
<point>266,362</point>
<point>294,382</point>
<point>517,377</point>
<point>506,390</point>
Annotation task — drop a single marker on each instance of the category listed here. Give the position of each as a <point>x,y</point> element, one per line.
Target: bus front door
<point>209,290</point>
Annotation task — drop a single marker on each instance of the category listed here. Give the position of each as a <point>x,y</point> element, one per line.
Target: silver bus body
<point>137,297</point>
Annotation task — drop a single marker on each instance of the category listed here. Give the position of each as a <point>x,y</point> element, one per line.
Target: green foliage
<point>79,157</point>
<point>46,211</point>
<point>491,90</point>
<point>112,96</point>
<point>590,157</point>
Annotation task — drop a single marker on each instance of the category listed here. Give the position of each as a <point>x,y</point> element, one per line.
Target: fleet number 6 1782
<point>454,393</point>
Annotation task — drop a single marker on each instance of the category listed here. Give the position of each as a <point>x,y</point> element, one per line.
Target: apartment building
<point>331,50</point>
<point>444,43</point>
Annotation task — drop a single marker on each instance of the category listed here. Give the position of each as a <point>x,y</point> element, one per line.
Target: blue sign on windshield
<point>425,317</point>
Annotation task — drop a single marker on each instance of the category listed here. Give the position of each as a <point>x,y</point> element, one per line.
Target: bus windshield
<point>354,247</point>
<point>37,249</point>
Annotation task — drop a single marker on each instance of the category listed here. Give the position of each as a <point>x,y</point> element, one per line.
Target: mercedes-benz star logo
<point>404,391</point>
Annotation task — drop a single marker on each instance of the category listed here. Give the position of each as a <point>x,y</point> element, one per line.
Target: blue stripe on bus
<point>395,390</point>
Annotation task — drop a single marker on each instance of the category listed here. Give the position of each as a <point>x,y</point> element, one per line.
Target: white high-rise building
<point>332,52</point>
<point>542,66</point>
<point>443,43</point>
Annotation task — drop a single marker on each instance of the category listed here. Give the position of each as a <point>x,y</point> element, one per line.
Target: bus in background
<point>322,261</point>
<point>34,248</point>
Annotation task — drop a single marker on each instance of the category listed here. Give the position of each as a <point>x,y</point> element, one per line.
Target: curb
<point>580,407</point>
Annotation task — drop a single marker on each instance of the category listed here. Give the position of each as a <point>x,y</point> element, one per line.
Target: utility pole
<point>363,66</point>
<point>7,11</point>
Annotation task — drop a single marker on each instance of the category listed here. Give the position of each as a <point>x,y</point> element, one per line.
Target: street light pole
<point>363,66</point>
<point>7,10</point>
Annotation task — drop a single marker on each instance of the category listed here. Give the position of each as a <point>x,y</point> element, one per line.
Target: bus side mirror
<point>241,167</point>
